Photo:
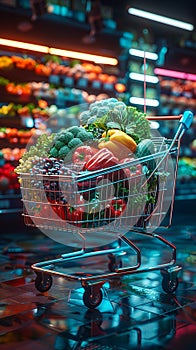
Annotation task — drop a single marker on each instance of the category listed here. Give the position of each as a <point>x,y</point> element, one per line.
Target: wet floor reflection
<point>135,312</point>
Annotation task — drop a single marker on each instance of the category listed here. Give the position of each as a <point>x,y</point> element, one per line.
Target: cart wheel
<point>169,283</point>
<point>91,298</point>
<point>43,282</point>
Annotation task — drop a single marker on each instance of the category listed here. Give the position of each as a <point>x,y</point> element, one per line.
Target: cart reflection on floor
<point>99,329</point>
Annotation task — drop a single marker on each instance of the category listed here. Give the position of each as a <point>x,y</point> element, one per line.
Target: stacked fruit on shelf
<point>14,135</point>
<point>53,65</point>
<point>43,90</point>
<point>177,92</point>
<point>9,157</point>
<point>8,110</point>
<point>187,169</point>
<point>8,178</point>
<point>12,154</point>
<point>110,134</point>
<point>30,109</point>
<point>6,62</point>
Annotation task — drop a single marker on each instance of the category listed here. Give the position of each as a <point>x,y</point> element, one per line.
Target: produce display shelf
<point>10,203</point>
<point>11,211</point>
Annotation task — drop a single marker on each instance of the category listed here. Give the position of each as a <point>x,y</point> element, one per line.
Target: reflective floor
<point>135,312</point>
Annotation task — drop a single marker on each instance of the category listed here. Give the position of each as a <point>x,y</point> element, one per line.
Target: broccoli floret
<point>92,120</point>
<point>63,151</point>
<point>84,116</point>
<point>74,143</point>
<point>65,137</point>
<point>94,110</point>
<point>84,135</point>
<point>54,152</point>
<point>74,129</point>
<point>59,144</point>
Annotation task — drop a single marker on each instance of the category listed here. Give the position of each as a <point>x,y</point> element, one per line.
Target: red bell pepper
<point>75,216</point>
<point>132,172</point>
<point>118,206</point>
<point>83,154</point>
<point>102,159</point>
<point>58,208</point>
<point>115,208</point>
<point>42,211</point>
<point>105,159</point>
<point>87,188</point>
<point>79,202</point>
<point>127,170</point>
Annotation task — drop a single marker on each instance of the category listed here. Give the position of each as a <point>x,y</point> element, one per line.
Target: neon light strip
<point>22,45</point>
<point>83,56</point>
<point>54,51</point>
<point>139,53</point>
<point>140,77</point>
<point>161,19</point>
<point>175,74</point>
<point>141,101</point>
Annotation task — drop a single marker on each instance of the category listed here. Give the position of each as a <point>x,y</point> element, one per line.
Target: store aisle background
<point>137,314</point>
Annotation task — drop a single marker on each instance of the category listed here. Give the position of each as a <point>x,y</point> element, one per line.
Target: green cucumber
<point>146,148</point>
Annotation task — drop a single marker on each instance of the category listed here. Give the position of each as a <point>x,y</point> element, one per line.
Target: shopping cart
<point>132,197</point>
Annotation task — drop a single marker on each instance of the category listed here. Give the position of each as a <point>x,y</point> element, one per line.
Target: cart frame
<point>92,284</point>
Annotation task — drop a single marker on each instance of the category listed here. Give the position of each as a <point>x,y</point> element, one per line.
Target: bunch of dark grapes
<point>52,190</point>
<point>50,167</point>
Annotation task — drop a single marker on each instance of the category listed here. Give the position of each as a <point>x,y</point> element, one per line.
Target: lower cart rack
<point>93,282</point>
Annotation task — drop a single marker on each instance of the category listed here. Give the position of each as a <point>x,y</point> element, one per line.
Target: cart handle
<point>186,118</point>
<point>165,117</point>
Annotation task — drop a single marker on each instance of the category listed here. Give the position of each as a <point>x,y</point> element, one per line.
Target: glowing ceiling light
<point>175,74</point>
<point>59,52</point>
<point>83,56</point>
<point>161,19</point>
<point>139,53</point>
<point>141,77</point>
<point>142,101</point>
<point>22,45</point>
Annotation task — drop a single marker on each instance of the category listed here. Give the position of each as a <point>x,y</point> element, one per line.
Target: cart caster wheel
<point>114,263</point>
<point>43,282</point>
<point>91,298</point>
<point>169,283</point>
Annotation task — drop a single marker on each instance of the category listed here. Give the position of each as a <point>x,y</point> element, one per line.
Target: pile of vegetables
<point>113,114</point>
<point>110,133</point>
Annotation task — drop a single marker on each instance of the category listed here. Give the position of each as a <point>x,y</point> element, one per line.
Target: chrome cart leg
<point>169,274</point>
<point>115,262</point>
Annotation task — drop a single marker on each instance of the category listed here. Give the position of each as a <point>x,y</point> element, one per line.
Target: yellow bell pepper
<point>114,147</point>
<point>114,139</point>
